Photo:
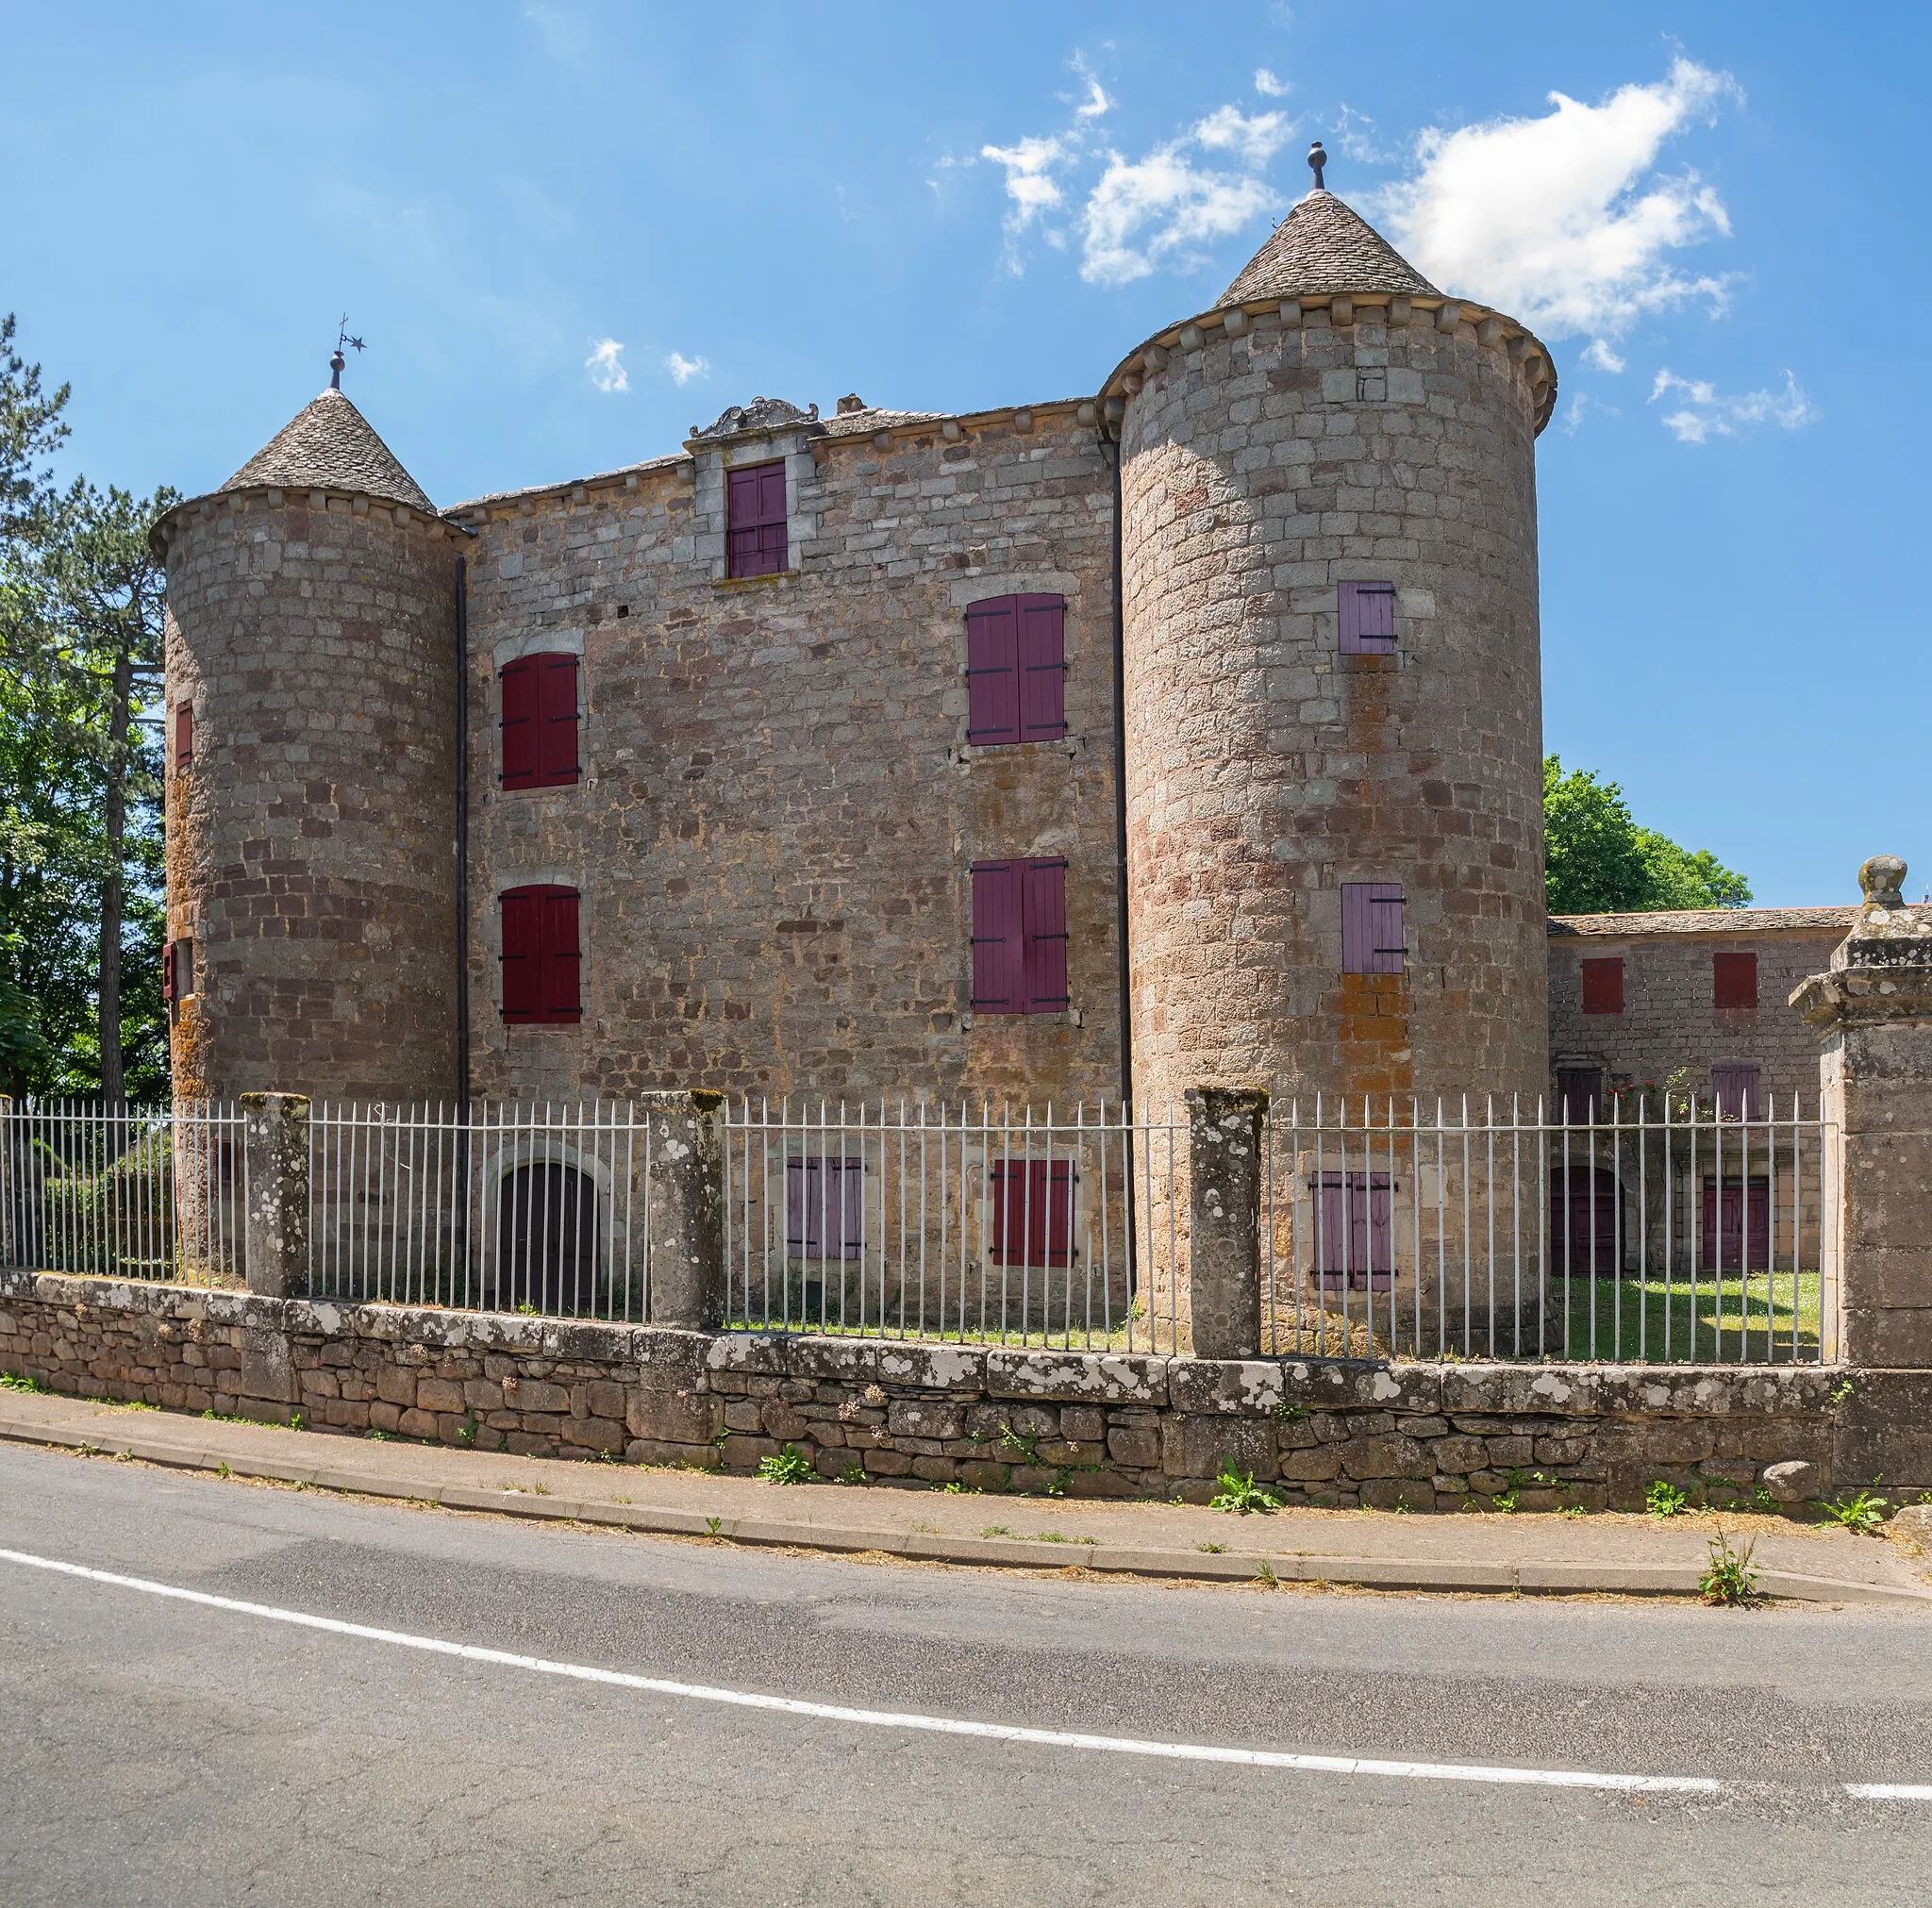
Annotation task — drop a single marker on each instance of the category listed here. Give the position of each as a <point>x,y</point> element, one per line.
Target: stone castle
<point>1188,732</point>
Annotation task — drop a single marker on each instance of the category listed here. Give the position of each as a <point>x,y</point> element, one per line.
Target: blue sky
<point>570,231</point>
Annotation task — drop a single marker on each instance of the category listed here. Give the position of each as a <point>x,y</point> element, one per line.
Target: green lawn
<point>1738,1318</point>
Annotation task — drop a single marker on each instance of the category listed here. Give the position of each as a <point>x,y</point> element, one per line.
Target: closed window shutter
<point>757,540</point>
<point>1356,1237</point>
<point>999,963</point>
<point>167,992</point>
<point>184,737</point>
<point>557,720</point>
<point>1734,980</point>
<point>523,990</point>
<point>521,754</point>
<point>1043,926</point>
<point>1372,927</point>
<point>1603,987</point>
<point>1042,657</point>
<point>1368,618</point>
<point>824,1208</point>
<point>564,959</point>
<point>1032,1212</point>
<point>1735,1087</point>
<point>993,672</point>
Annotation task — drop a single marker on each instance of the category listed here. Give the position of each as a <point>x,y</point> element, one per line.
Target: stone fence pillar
<point>1224,1220</point>
<point>275,1225</point>
<point>685,1207</point>
<point>1873,1010</point>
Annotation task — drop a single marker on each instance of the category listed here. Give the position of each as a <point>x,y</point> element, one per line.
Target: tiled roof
<point>1323,247</point>
<point>863,423</point>
<point>331,445</point>
<point>1708,920</point>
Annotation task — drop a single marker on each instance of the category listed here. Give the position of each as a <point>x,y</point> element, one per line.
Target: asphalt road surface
<point>161,1750</point>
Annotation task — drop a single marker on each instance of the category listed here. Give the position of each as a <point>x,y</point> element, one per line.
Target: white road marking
<point>883,1719</point>
<point>1891,1792</point>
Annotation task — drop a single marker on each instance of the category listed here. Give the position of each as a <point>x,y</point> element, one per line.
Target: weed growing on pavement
<point>958,1489</point>
<point>1265,1576</point>
<point>1572,1511</point>
<point>1242,1494</point>
<point>1666,1499</point>
<point>542,1489</point>
<point>1730,1580</point>
<point>221,1468</point>
<point>712,1525</point>
<point>375,1437</point>
<point>1212,1550</point>
<point>466,1432</point>
<point>19,1380</point>
<point>853,1473</point>
<point>297,1422</point>
<point>1864,1512</point>
<point>787,1466</point>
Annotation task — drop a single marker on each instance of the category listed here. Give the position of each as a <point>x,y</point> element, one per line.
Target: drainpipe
<point>1123,970</point>
<point>462,833</point>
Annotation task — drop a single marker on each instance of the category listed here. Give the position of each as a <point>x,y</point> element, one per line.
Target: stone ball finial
<point>1317,158</point>
<point>1883,880</point>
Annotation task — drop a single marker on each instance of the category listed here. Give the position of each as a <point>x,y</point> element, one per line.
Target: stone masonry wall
<point>1265,769</point>
<point>1669,1021</point>
<point>1422,1437</point>
<point>780,808</point>
<point>310,844</point>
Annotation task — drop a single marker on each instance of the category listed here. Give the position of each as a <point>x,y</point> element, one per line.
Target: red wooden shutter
<point>167,992</point>
<point>1734,980</point>
<point>1368,618</point>
<point>1603,987</point>
<point>999,957</point>
<point>184,737</point>
<point>1043,645</point>
<point>756,541</point>
<point>522,986</point>
<point>557,721</point>
<point>1372,927</point>
<point>1044,929</point>
<point>522,751</point>
<point>992,671</point>
<point>1032,1212</point>
<point>562,958</point>
<point>1736,1226</point>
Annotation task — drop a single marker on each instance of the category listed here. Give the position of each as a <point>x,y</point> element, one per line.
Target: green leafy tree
<point>1598,860</point>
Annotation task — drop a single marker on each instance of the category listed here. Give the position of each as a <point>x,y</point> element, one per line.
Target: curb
<point>1524,1578</point>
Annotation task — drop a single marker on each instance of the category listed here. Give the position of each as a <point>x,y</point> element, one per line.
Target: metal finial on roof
<point>337,360</point>
<point>1317,159</point>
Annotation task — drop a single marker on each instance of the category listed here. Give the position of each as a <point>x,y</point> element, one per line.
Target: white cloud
<point>1561,219</point>
<point>1599,356</point>
<point>1268,86</point>
<point>606,365</point>
<point>1255,138</point>
<point>683,369</point>
<point>1355,133</point>
<point>1706,414</point>
<point>1162,210</point>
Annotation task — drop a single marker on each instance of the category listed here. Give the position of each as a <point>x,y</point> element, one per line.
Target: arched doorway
<point>546,1240</point>
<point>1585,1234</point>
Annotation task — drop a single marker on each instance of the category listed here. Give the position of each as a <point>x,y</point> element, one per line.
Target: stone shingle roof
<point>331,445</point>
<point>1708,920</point>
<point>1323,247</point>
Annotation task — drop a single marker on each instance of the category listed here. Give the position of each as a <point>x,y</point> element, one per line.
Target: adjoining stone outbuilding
<point>891,752</point>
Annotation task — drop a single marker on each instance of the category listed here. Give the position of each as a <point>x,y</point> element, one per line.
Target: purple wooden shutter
<point>1735,1087</point>
<point>521,753</point>
<point>802,1183</point>
<point>557,721</point>
<point>1372,928</point>
<point>1043,926</point>
<point>522,978</point>
<point>992,671</point>
<point>1368,618</point>
<point>774,539</point>
<point>1043,667</point>
<point>184,737</point>
<point>851,1207</point>
<point>999,958</point>
<point>756,531</point>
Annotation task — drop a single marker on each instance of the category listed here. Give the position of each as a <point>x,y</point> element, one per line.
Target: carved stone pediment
<point>760,414</point>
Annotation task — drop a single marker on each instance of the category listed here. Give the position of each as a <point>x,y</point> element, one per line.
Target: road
<point>162,1752</point>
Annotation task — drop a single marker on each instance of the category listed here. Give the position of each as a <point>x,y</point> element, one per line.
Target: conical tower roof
<point>1323,248</point>
<point>331,445</point>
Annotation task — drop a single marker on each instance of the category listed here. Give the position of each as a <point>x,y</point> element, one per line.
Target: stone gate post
<point>1873,1010</point>
<point>1224,1220</point>
<point>685,1203</point>
<point>275,1226</point>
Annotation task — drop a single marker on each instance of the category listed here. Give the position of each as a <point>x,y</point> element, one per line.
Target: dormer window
<point>757,540</point>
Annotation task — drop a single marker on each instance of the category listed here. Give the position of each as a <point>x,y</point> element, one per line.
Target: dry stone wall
<point>779,808</point>
<point>1424,1437</point>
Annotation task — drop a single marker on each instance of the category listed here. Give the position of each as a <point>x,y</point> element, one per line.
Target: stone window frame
<point>710,501</point>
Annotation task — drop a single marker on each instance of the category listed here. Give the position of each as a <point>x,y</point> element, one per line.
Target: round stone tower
<point>311,824</point>
<point>1333,703</point>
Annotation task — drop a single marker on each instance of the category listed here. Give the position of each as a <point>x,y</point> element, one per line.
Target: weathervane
<point>336,363</point>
